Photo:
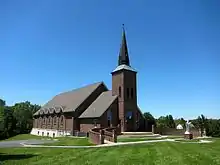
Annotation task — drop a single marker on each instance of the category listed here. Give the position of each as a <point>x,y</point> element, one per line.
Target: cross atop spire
<point>123,55</point>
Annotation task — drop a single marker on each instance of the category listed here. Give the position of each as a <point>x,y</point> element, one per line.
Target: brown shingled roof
<point>71,100</point>
<point>99,106</point>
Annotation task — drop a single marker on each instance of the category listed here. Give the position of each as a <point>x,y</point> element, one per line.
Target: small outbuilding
<point>179,126</point>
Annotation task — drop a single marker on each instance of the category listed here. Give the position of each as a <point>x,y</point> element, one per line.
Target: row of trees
<point>17,118</point>
<point>211,126</point>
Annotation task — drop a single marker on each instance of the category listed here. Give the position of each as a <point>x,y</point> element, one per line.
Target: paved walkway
<point>98,146</point>
<point>37,143</point>
<point>19,143</point>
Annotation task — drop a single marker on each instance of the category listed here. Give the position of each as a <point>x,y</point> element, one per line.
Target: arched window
<point>44,120</point>
<point>109,117</point>
<point>129,115</point>
<point>132,93</point>
<point>61,119</point>
<point>55,120</point>
<point>119,91</point>
<point>127,92</point>
<point>40,122</point>
<point>50,120</point>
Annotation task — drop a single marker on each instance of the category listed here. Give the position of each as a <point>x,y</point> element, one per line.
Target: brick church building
<point>94,105</point>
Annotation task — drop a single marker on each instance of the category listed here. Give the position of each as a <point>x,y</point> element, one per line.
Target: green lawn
<point>162,153</point>
<point>25,137</point>
<point>68,141</point>
<point>187,140</point>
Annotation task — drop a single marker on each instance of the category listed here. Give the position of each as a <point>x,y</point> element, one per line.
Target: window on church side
<point>128,93</point>
<point>132,93</point>
<point>109,117</point>
<point>129,115</point>
<point>61,120</point>
<point>119,91</point>
<point>55,120</point>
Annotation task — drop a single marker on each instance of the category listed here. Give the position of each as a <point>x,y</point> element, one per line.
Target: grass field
<point>61,141</point>
<point>162,153</point>
<point>68,141</point>
<point>23,137</point>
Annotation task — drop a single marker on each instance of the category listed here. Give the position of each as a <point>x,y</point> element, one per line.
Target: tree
<point>23,113</point>
<point>2,117</point>
<point>166,122</point>
<point>170,121</point>
<point>149,118</point>
<point>7,122</point>
<point>162,122</point>
<point>200,123</point>
<point>180,121</point>
<point>213,128</point>
<point>2,103</point>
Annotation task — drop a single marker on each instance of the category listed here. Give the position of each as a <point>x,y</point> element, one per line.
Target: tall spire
<point>123,55</point>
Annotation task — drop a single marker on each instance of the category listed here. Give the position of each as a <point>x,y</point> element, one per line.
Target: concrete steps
<point>139,134</point>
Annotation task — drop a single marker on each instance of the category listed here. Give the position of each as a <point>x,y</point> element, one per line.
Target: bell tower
<point>124,85</point>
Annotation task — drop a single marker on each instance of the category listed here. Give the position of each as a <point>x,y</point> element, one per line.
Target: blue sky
<point>51,46</point>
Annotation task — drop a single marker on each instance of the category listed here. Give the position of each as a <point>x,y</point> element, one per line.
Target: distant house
<point>94,105</point>
<point>179,126</point>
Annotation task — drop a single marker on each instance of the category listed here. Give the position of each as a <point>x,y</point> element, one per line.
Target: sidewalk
<point>97,146</point>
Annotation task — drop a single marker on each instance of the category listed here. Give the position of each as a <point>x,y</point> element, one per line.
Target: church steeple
<point>123,58</point>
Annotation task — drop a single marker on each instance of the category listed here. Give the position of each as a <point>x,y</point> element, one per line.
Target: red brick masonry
<point>98,135</point>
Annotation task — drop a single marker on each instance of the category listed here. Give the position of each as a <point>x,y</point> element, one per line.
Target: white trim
<point>49,132</point>
<point>125,67</point>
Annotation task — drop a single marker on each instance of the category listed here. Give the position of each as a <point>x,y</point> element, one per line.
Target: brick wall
<point>110,134</point>
<point>175,132</point>
<point>98,135</point>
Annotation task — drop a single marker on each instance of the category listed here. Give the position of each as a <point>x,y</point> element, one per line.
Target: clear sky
<point>50,46</point>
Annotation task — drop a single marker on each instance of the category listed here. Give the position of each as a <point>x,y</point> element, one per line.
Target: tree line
<point>210,126</point>
<point>16,119</point>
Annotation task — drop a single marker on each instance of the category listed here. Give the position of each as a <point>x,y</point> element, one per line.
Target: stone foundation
<point>49,132</point>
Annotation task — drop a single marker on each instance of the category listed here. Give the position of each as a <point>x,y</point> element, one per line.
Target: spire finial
<point>123,27</point>
<point>123,55</point>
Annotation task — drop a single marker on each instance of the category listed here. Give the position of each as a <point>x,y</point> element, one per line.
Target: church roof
<point>124,67</point>
<point>69,101</point>
<point>123,57</point>
<point>99,106</point>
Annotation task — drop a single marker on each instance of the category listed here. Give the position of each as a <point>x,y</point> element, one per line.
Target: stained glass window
<point>129,115</point>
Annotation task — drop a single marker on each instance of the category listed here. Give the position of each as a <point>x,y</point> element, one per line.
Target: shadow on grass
<point>4,157</point>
